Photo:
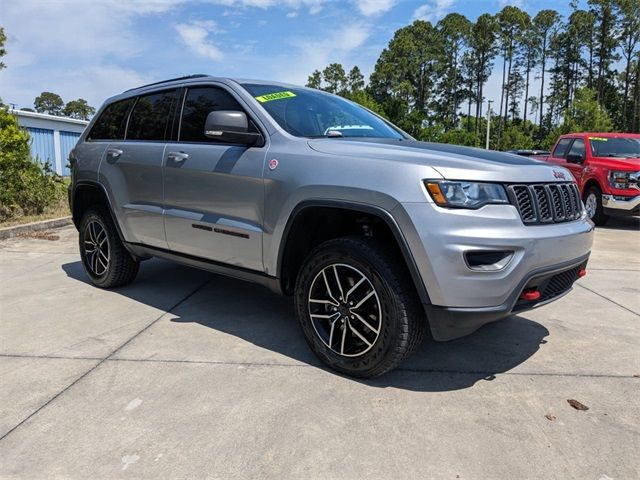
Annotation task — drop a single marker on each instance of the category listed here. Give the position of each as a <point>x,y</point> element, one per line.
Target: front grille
<point>540,204</point>
<point>559,283</point>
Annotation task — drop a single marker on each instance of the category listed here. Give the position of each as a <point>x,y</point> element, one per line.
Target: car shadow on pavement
<point>256,315</point>
<point>622,223</point>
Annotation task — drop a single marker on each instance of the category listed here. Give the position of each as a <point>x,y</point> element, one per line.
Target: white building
<point>52,137</point>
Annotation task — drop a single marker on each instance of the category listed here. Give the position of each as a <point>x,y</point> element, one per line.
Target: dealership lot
<point>185,374</point>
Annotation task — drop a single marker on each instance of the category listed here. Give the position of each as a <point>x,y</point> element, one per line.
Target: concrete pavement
<point>185,374</point>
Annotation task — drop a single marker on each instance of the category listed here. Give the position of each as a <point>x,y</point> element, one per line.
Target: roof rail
<point>197,75</point>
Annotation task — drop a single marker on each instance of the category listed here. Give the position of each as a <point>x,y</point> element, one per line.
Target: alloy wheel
<point>96,248</point>
<point>345,311</point>
<point>591,205</point>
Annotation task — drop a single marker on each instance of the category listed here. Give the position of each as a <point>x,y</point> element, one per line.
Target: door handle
<point>114,152</point>
<point>177,156</point>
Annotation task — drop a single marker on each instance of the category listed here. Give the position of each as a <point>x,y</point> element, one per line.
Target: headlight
<point>465,194</point>
<point>623,180</point>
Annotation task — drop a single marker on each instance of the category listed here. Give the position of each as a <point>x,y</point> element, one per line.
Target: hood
<point>451,161</point>
<point>617,163</point>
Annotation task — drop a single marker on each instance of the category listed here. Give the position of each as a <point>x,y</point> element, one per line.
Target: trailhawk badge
<point>273,164</point>
<point>559,174</point>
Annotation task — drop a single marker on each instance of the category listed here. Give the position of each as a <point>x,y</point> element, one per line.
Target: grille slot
<point>546,203</point>
<point>559,283</point>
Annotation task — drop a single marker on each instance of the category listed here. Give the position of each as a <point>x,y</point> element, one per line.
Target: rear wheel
<point>357,307</point>
<point>105,260</point>
<point>593,206</point>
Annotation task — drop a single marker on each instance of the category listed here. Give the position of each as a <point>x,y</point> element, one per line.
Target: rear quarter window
<point>111,123</point>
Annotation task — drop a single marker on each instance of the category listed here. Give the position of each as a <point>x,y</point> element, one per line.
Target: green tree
<point>606,43</point>
<point>79,109</point>
<point>335,78</point>
<point>48,102</point>
<point>27,187</point>
<point>454,30</point>
<point>355,80</point>
<point>586,114</point>
<point>315,80</point>
<point>3,51</point>
<point>482,51</point>
<point>629,13</point>
<point>512,22</point>
<point>543,24</point>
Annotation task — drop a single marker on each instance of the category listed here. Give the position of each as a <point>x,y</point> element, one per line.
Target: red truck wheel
<point>593,206</point>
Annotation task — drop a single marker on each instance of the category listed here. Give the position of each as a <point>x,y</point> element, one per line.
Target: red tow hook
<point>530,295</point>
<point>582,272</point>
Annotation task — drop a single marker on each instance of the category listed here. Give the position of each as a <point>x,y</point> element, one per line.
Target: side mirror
<point>227,126</point>
<point>575,158</point>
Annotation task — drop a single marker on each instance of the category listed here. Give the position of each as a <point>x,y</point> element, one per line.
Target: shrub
<point>26,187</point>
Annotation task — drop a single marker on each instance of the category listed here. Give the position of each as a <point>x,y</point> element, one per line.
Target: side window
<point>199,102</point>
<point>578,148</point>
<point>561,149</point>
<point>111,123</point>
<point>150,119</point>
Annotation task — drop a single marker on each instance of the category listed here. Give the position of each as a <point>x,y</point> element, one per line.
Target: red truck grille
<point>546,203</point>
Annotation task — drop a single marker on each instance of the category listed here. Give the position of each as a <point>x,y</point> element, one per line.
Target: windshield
<point>615,147</point>
<point>314,114</point>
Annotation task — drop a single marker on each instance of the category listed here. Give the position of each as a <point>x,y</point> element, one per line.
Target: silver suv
<point>376,235</point>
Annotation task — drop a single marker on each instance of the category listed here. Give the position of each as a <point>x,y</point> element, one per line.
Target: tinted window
<point>578,148</point>
<point>111,123</point>
<point>615,147</point>
<point>197,105</point>
<point>150,117</point>
<point>561,148</point>
<point>311,113</point>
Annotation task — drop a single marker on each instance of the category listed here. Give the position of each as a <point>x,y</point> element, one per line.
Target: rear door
<point>214,192</point>
<point>133,168</point>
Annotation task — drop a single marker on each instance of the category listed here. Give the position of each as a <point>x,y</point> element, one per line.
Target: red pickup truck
<point>606,167</point>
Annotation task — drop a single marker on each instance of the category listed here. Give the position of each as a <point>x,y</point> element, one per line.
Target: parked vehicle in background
<point>529,153</point>
<point>606,167</point>
<point>316,197</point>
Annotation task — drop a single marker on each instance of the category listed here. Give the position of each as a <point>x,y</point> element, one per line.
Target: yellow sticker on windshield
<point>275,96</point>
<point>599,139</point>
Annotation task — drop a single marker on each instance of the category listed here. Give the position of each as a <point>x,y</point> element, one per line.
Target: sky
<point>96,49</point>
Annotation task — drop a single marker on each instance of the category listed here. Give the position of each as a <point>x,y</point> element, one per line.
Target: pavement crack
<point>609,300</point>
<point>101,361</point>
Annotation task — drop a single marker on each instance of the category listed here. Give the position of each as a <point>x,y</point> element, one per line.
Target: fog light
<point>530,295</point>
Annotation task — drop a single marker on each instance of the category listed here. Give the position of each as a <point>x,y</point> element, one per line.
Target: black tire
<point>597,215</point>
<point>120,268</point>
<point>402,322</point>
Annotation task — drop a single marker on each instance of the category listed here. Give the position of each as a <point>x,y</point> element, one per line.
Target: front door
<point>213,192</point>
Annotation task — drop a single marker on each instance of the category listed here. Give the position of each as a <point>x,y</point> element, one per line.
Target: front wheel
<point>358,308</point>
<point>105,260</point>
<point>593,206</point>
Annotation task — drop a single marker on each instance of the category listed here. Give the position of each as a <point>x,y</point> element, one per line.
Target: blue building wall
<point>42,146</point>
<point>52,137</point>
<point>68,140</point>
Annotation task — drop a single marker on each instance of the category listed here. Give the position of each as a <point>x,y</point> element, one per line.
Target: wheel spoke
<point>344,335</point>
<point>359,317</point>
<point>367,297</point>
<point>326,302</point>
<point>335,272</point>
<point>326,284</point>
<point>333,327</point>
<point>318,315</point>
<point>359,335</point>
<point>352,289</point>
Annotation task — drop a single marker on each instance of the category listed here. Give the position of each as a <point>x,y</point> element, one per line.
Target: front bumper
<point>449,323</point>
<point>441,240</point>
<point>621,205</point>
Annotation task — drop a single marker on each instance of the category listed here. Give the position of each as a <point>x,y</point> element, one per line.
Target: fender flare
<point>379,212</point>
